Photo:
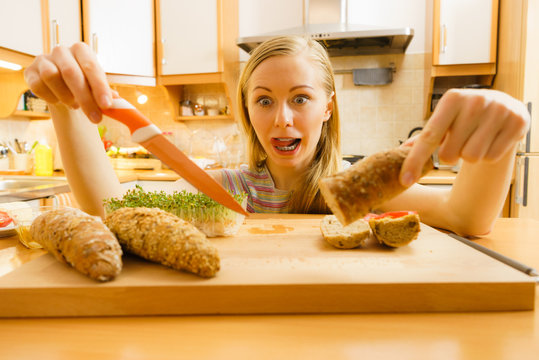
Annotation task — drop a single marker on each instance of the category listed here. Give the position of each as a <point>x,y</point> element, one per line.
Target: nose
<point>284,116</point>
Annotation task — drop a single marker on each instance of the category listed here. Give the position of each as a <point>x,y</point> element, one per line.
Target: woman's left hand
<point>475,125</point>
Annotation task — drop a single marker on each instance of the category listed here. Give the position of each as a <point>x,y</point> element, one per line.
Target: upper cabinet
<point>121,33</point>
<point>266,16</point>
<point>29,28</point>
<point>465,34</point>
<point>64,23</point>
<point>196,44</point>
<point>189,37</point>
<point>196,40</point>
<point>21,27</point>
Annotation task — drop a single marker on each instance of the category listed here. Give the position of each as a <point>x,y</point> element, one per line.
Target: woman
<point>289,112</point>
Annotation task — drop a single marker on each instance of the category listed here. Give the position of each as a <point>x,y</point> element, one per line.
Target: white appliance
<point>527,173</point>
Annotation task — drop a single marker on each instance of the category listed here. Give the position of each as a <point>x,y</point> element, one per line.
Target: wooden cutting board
<point>281,266</point>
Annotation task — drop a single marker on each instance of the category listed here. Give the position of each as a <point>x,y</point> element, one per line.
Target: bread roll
<point>80,240</point>
<point>395,232</point>
<point>161,237</point>
<point>344,237</point>
<point>368,183</point>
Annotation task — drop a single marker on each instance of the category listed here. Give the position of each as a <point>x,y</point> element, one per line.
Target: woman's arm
<point>69,79</point>
<point>472,204</point>
<point>89,172</point>
<point>483,128</point>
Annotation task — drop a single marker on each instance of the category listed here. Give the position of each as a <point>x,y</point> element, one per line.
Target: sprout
<point>199,209</point>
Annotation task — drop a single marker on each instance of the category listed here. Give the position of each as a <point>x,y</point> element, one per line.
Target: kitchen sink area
<point>21,187</point>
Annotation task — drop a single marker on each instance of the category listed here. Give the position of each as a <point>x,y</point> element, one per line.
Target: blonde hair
<point>305,197</point>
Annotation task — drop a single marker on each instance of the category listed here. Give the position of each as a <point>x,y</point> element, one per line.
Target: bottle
<point>43,160</point>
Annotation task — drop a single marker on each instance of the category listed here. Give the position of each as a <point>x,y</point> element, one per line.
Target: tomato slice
<point>5,219</point>
<point>390,214</point>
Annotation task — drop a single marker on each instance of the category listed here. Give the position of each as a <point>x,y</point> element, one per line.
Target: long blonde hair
<point>305,197</point>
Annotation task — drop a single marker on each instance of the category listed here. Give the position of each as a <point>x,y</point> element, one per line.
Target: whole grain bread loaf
<point>80,240</point>
<point>162,237</point>
<point>352,193</point>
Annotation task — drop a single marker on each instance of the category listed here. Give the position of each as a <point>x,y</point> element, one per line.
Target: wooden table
<point>495,335</point>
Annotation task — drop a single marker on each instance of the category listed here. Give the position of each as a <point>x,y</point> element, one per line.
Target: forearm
<point>88,170</point>
<point>478,194</point>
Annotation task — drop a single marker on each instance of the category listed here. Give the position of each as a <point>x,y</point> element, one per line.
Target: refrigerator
<point>526,184</point>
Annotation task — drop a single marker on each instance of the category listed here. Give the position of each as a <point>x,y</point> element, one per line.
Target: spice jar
<point>199,110</point>
<point>186,108</point>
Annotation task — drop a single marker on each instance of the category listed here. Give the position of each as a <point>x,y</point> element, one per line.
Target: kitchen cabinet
<point>64,23</point>
<point>464,37</point>
<point>29,28</point>
<point>197,45</point>
<point>121,33</point>
<point>464,46</point>
<point>265,16</point>
<point>21,26</point>
<point>518,71</point>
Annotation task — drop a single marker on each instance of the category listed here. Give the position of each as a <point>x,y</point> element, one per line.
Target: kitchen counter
<point>487,335</point>
<point>434,176</point>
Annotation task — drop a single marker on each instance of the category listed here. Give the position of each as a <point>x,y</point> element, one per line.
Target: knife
<point>144,132</point>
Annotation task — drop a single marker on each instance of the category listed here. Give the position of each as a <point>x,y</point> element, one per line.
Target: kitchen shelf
<point>205,117</point>
<point>32,114</point>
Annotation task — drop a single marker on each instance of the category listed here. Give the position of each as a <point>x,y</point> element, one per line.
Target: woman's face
<point>287,106</point>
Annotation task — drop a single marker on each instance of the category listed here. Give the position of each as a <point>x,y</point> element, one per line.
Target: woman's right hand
<point>71,76</point>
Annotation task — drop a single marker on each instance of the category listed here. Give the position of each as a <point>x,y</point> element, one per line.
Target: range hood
<point>340,38</point>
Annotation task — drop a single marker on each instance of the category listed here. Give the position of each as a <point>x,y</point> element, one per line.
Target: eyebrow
<point>291,89</point>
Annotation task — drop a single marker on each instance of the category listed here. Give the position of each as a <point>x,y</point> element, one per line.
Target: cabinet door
<point>465,30</point>
<point>189,31</point>
<point>64,22</point>
<point>21,26</point>
<point>121,33</point>
<point>265,16</point>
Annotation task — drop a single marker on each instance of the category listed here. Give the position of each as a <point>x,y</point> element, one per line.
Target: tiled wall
<point>373,117</point>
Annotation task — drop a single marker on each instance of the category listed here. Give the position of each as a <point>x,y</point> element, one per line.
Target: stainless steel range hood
<point>340,38</point>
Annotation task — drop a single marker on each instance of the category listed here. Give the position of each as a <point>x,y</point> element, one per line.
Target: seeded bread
<point>80,240</point>
<point>161,237</point>
<point>395,232</point>
<point>344,237</point>
<point>352,193</point>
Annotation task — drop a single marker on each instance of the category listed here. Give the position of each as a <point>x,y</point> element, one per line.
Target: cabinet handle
<point>55,33</point>
<point>94,42</point>
<point>443,40</point>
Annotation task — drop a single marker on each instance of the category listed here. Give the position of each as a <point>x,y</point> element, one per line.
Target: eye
<point>300,99</point>
<point>264,101</point>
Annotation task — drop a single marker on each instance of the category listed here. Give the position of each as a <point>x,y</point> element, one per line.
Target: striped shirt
<point>262,197</point>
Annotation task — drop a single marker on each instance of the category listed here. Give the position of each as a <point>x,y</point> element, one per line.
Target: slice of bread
<point>395,232</point>
<point>344,237</point>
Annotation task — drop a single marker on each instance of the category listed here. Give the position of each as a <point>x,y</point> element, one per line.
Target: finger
<point>75,79</point>
<point>36,84</point>
<point>462,128</point>
<point>94,74</point>
<point>491,124</point>
<point>56,83</point>
<point>429,139</point>
<point>513,131</point>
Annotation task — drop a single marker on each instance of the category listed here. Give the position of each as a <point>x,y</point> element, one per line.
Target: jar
<point>4,160</point>
<point>199,110</point>
<point>43,160</point>
<point>186,108</point>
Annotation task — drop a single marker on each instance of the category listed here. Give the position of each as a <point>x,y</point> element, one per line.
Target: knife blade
<point>144,132</point>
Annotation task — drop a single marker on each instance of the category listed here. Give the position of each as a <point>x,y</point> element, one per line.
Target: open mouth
<point>285,144</point>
